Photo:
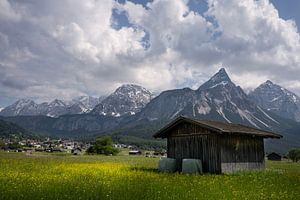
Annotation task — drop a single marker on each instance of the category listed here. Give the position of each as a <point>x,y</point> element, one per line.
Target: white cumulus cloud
<point>64,48</point>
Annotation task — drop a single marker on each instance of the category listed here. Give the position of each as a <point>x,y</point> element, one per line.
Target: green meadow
<point>61,176</point>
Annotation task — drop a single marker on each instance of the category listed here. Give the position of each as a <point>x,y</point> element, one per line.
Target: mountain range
<point>128,99</point>
<point>217,99</point>
<point>11,130</point>
<point>133,111</point>
<point>55,108</point>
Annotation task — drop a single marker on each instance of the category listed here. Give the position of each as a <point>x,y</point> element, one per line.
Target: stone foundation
<point>235,167</point>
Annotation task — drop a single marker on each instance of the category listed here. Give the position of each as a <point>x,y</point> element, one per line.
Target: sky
<point>67,48</point>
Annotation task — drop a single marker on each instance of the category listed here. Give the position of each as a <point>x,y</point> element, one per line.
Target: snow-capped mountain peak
<point>20,107</point>
<point>277,99</point>
<point>23,102</point>
<point>127,99</point>
<point>132,90</point>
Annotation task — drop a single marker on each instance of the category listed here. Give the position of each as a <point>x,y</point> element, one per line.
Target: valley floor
<point>60,176</point>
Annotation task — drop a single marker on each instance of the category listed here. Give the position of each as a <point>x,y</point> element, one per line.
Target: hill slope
<point>12,130</point>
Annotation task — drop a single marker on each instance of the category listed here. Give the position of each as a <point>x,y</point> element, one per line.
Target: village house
<point>274,156</point>
<point>134,152</point>
<point>221,147</point>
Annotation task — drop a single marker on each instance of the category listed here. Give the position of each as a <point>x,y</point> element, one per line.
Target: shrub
<point>294,155</point>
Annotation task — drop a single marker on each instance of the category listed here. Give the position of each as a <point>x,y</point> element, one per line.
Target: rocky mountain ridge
<point>277,99</point>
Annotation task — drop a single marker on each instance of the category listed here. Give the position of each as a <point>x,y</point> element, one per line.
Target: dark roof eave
<point>277,136</point>
<point>268,135</point>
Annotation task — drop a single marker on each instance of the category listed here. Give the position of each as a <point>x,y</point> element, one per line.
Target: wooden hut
<point>222,147</point>
<point>274,156</point>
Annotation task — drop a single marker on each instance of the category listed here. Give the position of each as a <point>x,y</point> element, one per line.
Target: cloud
<point>255,40</point>
<point>7,12</point>
<point>247,37</point>
<point>61,49</point>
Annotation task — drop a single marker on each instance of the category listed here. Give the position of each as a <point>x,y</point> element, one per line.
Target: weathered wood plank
<point>217,152</point>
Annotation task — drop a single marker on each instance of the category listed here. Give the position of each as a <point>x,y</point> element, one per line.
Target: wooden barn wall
<point>191,141</point>
<point>238,148</point>
<point>240,152</point>
<point>185,128</point>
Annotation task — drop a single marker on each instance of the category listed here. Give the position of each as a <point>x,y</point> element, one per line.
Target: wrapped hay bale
<point>167,165</point>
<point>192,166</point>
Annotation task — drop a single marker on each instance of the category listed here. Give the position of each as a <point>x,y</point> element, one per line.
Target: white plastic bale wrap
<point>167,165</point>
<point>192,166</point>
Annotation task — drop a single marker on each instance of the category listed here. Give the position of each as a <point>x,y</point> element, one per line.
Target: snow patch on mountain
<point>246,115</point>
<point>266,125</point>
<point>220,111</point>
<point>176,113</point>
<point>223,83</point>
<point>268,116</point>
<point>204,109</point>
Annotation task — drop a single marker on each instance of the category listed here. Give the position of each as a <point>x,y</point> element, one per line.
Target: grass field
<point>60,176</point>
